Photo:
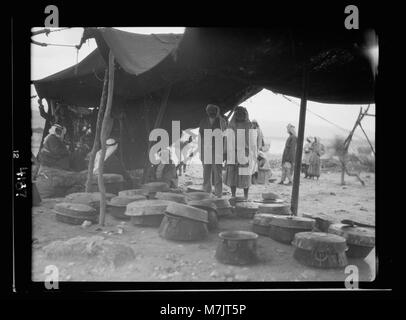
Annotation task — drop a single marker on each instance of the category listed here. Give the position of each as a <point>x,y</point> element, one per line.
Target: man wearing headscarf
<point>238,175</point>
<point>288,157</point>
<point>212,122</point>
<point>54,177</point>
<point>112,163</point>
<point>317,150</point>
<point>54,152</point>
<point>306,156</point>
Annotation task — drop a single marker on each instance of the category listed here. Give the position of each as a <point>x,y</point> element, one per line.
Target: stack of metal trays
<point>118,205</point>
<point>209,206</point>
<point>134,193</point>
<point>224,208</point>
<point>153,187</point>
<point>320,250</point>
<point>234,200</point>
<point>184,223</point>
<point>261,223</point>
<point>274,208</point>
<point>270,196</point>
<point>323,221</point>
<point>198,195</point>
<point>360,240</point>
<point>89,198</point>
<point>246,209</point>
<point>175,197</point>
<point>175,190</point>
<point>284,228</point>
<point>75,213</point>
<point>195,188</point>
<point>147,213</point>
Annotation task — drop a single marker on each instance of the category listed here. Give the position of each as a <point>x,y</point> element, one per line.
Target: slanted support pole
<point>299,145</point>
<point>105,132</point>
<point>96,142</point>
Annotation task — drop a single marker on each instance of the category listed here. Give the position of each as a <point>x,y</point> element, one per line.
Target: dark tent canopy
<point>223,66</point>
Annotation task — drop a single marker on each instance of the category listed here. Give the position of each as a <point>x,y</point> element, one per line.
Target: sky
<point>266,106</point>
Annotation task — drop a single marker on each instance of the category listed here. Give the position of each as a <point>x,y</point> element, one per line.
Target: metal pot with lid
<point>224,208</point>
<point>210,207</point>
<point>147,213</point>
<point>246,209</point>
<point>118,205</point>
<point>274,208</point>
<point>284,228</point>
<point>237,248</point>
<point>198,195</point>
<point>261,223</point>
<point>75,213</point>
<point>360,240</point>
<point>175,197</point>
<point>184,223</point>
<point>320,249</point>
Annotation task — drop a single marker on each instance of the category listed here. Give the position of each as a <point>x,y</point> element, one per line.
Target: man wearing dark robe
<point>212,122</point>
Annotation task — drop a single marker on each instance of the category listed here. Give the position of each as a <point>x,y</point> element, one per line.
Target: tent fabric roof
<point>137,53</point>
<point>221,58</point>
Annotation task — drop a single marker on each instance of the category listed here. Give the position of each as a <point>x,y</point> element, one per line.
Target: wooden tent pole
<point>96,142</point>
<point>107,125</point>
<point>161,112</point>
<point>366,136</point>
<point>299,145</point>
<point>122,135</point>
<point>343,160</point>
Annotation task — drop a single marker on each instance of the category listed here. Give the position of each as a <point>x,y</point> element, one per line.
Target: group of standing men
<point>239,175</point>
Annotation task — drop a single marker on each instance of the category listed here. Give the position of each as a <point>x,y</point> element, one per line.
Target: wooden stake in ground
<point>106,127</point>
<point>96,143</point>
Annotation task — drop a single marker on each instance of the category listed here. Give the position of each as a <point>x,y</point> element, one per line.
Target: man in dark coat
<point>55,179</point>
<point>288,157</point>
<point>54,153</point>
<point>213,121</point>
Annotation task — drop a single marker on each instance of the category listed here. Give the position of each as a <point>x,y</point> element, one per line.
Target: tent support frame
<point>158,121</point>
<point>299,145</point>
<point>96,142</point>
<point>106,127</point>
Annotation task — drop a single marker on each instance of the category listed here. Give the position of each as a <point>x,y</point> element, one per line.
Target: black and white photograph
<point>177,154</point>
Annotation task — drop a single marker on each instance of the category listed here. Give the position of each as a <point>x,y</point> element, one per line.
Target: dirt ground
<point>157,259</point>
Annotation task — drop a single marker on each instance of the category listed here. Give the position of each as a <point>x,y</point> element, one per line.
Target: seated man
<point>78,157</point>
<point>112,163</point>
<point>54,152</point>
<point>166,172</point>
<point>54,177</point>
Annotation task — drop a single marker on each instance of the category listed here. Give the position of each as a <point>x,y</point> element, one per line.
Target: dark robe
<point>54,153</point>
<point>289,152</point>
